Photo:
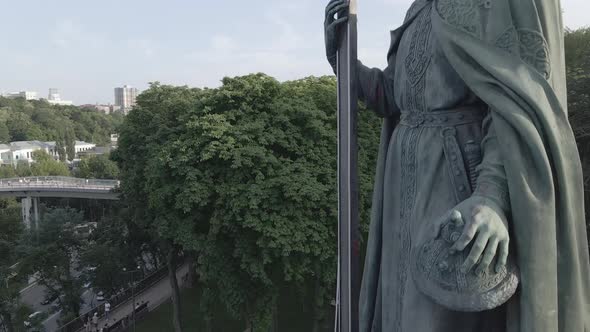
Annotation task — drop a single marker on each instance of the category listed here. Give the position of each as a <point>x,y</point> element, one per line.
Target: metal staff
<point>348,220</point>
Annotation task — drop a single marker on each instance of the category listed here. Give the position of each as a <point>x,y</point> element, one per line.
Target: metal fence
<point>125,323</point>
<point>118,299</point>
<point>61,182</point>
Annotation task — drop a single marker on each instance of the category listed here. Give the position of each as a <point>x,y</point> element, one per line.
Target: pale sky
<point>86,48</point>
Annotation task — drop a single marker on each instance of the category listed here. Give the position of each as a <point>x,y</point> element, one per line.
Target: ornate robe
<point>501,60</point>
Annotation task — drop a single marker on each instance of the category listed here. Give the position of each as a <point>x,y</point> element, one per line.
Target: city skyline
<point>87,49</point>
<point>126,98</point>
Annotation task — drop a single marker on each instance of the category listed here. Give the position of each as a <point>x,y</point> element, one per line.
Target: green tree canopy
<point>11,230</point>
<point>51,253</point>
<point>245,176</point>
<point>38,120</point>
<point>577,51</point>
<point>45,165</point>
<point>123,244</point>
<point>98,167</point>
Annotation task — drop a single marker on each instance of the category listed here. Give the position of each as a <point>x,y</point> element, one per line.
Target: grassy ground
<point>294,316</point>
<point>160,320</point>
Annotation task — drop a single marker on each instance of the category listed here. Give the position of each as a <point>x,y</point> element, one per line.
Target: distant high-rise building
<point>125,98</point>
<point>54,95</point>
<point>55,99</point>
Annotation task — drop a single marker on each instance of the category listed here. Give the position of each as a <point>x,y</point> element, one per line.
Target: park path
<point>154,296</point>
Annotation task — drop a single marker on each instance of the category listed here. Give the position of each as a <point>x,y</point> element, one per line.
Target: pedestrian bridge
<point>30,189</point>
<point>59,186</point>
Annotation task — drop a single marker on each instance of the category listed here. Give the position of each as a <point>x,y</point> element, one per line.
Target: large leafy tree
<point>70,141</point>
<point>245,176</point>
<point>45,165</point>
<point>21,128</point>
<point>143,134</point>
<point>52,253</point>
<point>275,219</point>
<point>4,133</point>
<point>124,244</point>
<point>11,230</point>
<point>98,167</point>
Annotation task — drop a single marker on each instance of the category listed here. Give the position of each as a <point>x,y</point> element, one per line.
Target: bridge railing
<point>57,182</point>
<point>121,298</point>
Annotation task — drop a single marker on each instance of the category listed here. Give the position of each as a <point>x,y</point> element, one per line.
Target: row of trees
<point>11,230</point>
<point>92,167</point>
<point>54,254</point>
<point>63,257</point>
<point>22,120</point>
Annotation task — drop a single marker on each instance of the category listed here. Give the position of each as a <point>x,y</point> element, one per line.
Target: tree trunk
<point>317,310</point>
<point>208,325</point>
<point>248,319</point>
<point>192,270</point>
<point>274,327</point>
<point>7,321</point>
<point>156,259</point>
<point>175,290</point>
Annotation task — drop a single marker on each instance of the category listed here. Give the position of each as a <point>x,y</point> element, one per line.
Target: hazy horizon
<point>87,49</point>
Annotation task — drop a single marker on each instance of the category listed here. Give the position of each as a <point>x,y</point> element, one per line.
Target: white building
<point>54,98</point>
<point>125,98</point>
<point>5,153</point>
<point>27,95</point>
<point>15,152</point>
<point>21,151</point>
<point>81,146</point>
<point>106,109</point>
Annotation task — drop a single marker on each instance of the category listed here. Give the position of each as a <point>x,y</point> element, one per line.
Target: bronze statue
<point>479,182</point>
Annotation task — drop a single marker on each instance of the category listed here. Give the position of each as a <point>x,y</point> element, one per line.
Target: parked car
<point>100,296</point>
<point>49,299</point>
<point>56,305</point>
<point>35,318</point>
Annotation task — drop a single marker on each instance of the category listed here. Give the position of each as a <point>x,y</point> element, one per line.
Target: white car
<point>32,317</point>
<point>100,296</point>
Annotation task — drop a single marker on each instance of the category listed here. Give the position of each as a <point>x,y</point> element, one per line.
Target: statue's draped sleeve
<point>510,53</point>
<point>491,180</point>
<point>375,89</point>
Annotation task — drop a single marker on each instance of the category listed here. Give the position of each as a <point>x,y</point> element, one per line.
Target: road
<point>154,296</point>
<point>33,294</point>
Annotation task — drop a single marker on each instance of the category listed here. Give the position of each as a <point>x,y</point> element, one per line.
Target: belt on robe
<point>462,161</point>
<point>443,118</point>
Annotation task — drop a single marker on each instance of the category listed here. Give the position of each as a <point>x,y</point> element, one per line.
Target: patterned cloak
<point>510,53</point>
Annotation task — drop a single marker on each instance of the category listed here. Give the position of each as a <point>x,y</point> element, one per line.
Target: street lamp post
<point>132,292</point>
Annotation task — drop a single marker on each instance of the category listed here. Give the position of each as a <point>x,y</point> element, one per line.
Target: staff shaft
<point>348,223</point>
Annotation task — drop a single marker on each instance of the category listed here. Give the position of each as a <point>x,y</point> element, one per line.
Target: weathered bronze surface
<point>475,129</point>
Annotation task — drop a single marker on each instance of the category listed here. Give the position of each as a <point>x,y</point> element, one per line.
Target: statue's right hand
<point>332,28</point>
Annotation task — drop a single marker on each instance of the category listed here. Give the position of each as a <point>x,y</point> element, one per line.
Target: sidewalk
<point>154,296</point>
